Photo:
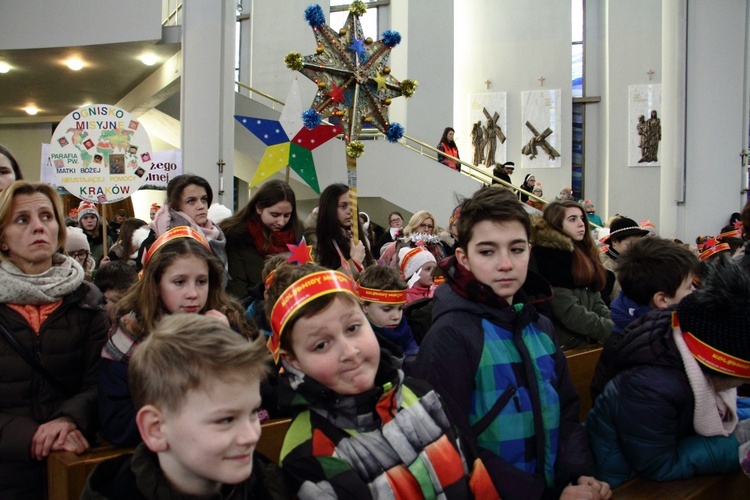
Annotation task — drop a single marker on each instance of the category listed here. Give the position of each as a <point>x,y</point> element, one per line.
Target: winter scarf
<point>465,284</point>
<point>715,412</point>
<point>63,278</point>
<point>278,243</point>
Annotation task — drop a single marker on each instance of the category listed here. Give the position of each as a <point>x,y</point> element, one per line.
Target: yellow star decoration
<point>380,80</point>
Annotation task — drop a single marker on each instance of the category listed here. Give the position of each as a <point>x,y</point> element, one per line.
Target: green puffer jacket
<point>579,314</point>
<point>244,260</point>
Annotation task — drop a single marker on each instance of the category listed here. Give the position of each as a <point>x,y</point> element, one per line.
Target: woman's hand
<point>357,251</point>
<point>51,436</point>
<point>104,260</point>
<point>74,443</point>
<point>217,315</point>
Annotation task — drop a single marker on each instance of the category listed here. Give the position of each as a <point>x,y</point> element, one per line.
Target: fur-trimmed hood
<point>544,235</point>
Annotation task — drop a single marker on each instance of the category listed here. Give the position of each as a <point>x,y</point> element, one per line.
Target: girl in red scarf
<point>264,227</point>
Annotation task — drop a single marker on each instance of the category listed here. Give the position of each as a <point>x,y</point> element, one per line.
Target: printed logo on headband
<point>175,232</point>
<point>713,358</point>
<point>301,292</point>
<point>382,296</point>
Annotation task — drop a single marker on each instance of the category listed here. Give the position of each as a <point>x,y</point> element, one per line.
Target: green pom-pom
<point>293,61</point>
<point>358,8</point>
<point>355,149</point>
<point>408,87</point>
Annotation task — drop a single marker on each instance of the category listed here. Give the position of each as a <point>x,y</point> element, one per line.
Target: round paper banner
<point>100,153</point>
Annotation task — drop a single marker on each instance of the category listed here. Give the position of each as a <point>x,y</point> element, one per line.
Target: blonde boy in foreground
<point>196,385</point>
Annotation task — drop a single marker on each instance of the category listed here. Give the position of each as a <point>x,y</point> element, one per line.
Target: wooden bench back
<point>581,365</point>
<point>67,472</point>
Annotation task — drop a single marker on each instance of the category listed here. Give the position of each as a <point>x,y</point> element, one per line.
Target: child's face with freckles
<point>336,347</point>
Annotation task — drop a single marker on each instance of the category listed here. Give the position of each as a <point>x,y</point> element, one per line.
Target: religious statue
<point>492,133</point>
<point>649,133</point>
<point>477,141</point>
<point>641,129</point>
<point>539,140</point>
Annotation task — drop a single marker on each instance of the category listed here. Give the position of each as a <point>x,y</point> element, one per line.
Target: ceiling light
<point>74,64</point>
<point>149,59</point>
<point>4,67</point>
<point>31,110</point>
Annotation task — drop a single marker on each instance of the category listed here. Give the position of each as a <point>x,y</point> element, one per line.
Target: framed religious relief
<point>541,127</point>
<point>644,125</point>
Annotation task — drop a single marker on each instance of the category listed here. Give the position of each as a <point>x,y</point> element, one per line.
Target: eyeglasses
<point>398,219</point>
<point>429,227</point>
<point>80,254</point>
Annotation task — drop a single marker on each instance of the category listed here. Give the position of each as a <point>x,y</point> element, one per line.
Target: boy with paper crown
<point>680,368</point>
<point>416,266</point>
<point>362,430</point>
<point>383,295</point>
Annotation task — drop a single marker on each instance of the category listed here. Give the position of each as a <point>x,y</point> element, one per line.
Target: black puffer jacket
<point>642,420</point>
<point>139,477</point>
<point>69,346</point>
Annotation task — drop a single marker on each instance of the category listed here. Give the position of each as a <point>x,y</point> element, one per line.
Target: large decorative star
<point>288,141</point>
<point>301,254</point>
<point>345,59</point>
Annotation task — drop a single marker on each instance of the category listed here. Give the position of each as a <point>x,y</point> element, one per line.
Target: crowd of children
<point>437,372</point>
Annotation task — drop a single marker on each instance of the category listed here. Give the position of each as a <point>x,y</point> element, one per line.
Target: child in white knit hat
<point>77,246</point>
<point>417,265</point>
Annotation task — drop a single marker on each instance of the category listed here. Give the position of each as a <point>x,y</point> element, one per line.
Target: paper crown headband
<point>301,292</point>
<point>381,296</point>
<point>713,358</point>
<point>176,232</point>
<point>721,247</point>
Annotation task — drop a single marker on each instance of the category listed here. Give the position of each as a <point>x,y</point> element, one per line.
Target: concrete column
<point>207,98</point>
<point>672,148</point>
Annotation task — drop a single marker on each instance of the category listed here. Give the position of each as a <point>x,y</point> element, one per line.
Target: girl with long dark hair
<point>336,248</point>
<point>262,228</point>
<point>565,254</point>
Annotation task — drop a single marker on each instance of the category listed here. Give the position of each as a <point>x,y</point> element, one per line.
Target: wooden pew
<point>581,365</point>
<point>67,472</point>
<point>735,486</point>
<point>272,438</point>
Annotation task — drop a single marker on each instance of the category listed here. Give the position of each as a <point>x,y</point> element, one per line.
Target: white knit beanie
<point>411,260</point>
<point>76,240</point>
<point>218,212</point>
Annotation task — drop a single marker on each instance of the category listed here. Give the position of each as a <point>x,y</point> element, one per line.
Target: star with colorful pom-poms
<point>289,141</point>
<point>301,254</point>
<point>347,60</point>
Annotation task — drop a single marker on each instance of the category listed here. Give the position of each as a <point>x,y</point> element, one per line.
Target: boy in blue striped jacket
<point>494,360</point>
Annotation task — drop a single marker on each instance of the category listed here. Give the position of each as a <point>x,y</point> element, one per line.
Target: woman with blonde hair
<point>565,254</point>
<point>52,328</point>
<point>421,230</point>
